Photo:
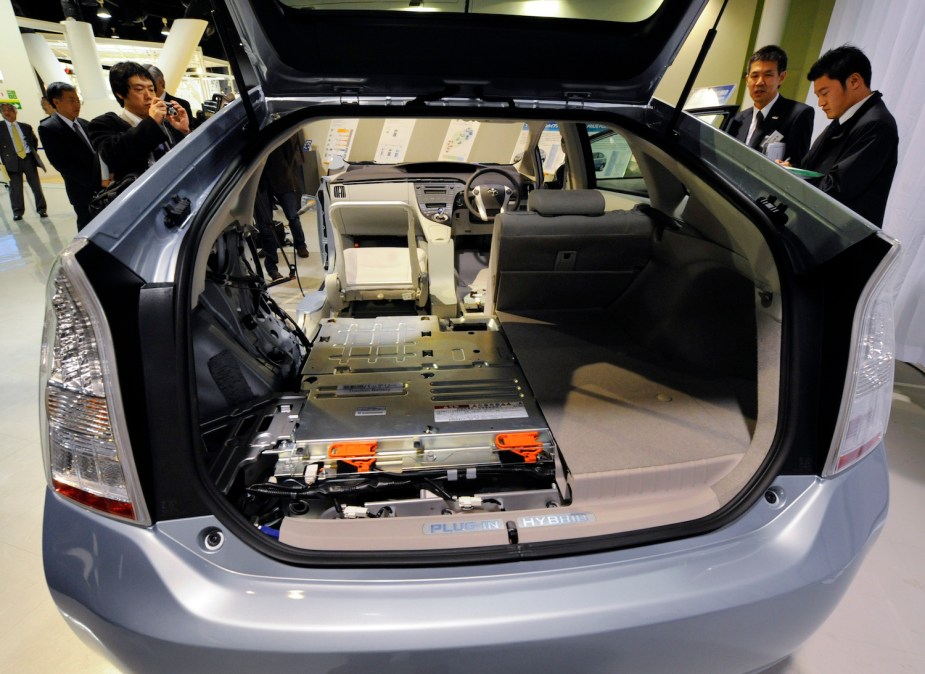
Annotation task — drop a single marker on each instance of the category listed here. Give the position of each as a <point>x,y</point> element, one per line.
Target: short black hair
<point>840,63</point>
<point>773,53</point>
<point>121,73</point>
<point>56,90</point>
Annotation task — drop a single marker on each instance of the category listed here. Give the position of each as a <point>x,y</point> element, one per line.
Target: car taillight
<point>87,454</point>
<point>868,393</point>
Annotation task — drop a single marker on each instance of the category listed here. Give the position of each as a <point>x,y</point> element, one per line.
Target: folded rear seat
<point>566,252</point>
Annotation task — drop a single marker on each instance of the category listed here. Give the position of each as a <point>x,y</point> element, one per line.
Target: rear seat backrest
<point>566,252</point>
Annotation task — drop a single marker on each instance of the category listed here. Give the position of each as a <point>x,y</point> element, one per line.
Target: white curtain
<point>890,33</point>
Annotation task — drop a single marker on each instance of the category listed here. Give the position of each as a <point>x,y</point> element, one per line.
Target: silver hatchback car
<point>545,412</point>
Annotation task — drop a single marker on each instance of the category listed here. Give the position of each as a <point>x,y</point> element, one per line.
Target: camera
<point>171,110</point>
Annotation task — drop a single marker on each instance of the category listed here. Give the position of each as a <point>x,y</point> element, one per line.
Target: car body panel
<point>762,583</point>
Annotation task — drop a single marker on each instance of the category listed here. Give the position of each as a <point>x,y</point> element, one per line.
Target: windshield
<point>601,10</point>
<point>397,141</point>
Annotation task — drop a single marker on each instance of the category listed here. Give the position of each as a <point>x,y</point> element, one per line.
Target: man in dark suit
<point>66,140</point>
<point>773,119</point>
<point>20,157</point>
<point>144,131</point>
<point>160,90</point>
<point>283,173</point>
<point>857,153</point>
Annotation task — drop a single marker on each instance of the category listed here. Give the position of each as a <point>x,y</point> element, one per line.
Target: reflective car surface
<point>587,386</point>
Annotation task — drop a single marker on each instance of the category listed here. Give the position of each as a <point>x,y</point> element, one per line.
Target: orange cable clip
<point>526,445</point>
<point>360,454</point>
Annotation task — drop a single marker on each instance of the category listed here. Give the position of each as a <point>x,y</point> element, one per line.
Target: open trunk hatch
<point>311,48</point>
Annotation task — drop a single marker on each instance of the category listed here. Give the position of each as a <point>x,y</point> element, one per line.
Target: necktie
<point>17,142</point>
<point>81,134</point>
<point>756,134</point>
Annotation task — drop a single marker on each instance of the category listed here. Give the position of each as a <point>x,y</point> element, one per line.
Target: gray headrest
<point>566,202</point>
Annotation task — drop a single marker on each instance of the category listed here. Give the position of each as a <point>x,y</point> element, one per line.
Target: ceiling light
<point>102,12</point>
<point>418,6</point>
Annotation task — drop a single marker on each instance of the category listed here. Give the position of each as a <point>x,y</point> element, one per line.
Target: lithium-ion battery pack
<point>430,395</point>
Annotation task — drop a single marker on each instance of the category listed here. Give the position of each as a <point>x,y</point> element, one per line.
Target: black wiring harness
<point>354,486</point>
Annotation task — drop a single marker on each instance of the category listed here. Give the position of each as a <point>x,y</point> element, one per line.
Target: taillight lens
<point>87,454</point>
<point>868,396</point>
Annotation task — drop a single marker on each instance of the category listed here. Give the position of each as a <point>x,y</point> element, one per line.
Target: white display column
<point>43,59</point>
<point>92,81</point>
<point>772,24</point>
<point>179,48</point>
<point>17,78</point>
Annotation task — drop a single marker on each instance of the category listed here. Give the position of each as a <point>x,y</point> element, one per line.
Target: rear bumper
<point>734,600</point>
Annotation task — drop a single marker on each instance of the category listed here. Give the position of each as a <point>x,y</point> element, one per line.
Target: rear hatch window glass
<point>630,12</point>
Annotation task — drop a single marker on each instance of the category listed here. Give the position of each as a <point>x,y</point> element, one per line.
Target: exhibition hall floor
<point>878,627</point>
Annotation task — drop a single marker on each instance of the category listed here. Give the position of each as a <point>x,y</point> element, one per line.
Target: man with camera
<point>161,91</point>
<point>146,128</point>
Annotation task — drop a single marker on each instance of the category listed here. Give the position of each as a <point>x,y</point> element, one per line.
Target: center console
<point>436,199</point>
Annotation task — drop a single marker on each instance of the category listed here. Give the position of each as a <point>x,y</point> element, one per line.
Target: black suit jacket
<point>793,120</point>
<point>126,148</point>
<point>74,159</point>
<point>858,159</point>
<point>8,155</point>
<point>282,170</point>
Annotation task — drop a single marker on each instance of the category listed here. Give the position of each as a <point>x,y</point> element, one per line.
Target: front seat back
<point>377,255</point>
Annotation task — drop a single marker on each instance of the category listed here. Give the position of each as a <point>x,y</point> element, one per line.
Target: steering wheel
<point>486,199</point>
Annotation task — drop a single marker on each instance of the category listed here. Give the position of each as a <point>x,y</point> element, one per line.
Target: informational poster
<point>393,142</point>
<point>340,138</point>
<point>709,97</point>
<point>460,137</point>
<point>611,157</point>
<point>9,96</point>
<point>521,144</point>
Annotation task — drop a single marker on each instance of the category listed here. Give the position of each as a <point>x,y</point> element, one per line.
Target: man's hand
<point>158,110</point>
<point>159,113</point>
<point>179,121</point>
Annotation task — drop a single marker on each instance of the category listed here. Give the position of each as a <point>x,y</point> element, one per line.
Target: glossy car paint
<point>733,600</point>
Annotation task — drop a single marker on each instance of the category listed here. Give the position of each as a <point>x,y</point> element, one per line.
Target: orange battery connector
<point>358,456</point>
<point>526,445</point>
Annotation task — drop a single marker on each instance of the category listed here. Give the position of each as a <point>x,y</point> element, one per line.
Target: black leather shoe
<point>302,252</point>
<point>43,214</point>
<point>274,275</point>
<point>17,217</point>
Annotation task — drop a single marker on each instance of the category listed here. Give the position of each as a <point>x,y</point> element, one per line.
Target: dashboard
<point>436,188</point>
